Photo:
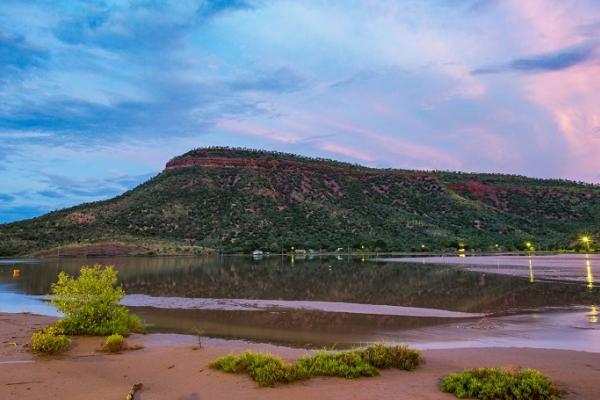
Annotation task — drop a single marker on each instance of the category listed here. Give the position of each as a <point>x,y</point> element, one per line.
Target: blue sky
<point>95,96</point>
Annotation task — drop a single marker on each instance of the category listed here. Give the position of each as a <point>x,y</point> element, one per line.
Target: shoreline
<point>375,256</point>
<point>171,366</point>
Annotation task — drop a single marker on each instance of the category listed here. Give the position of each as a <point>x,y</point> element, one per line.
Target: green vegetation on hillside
<point>233,200</point>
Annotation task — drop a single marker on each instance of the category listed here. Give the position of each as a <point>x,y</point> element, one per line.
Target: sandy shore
<point>173,367</point>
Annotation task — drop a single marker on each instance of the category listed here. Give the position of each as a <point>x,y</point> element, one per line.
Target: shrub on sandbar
<point>114,343</point>
<point>90,303</point>
<point>500,384</point>
<point>268,370</point>
<point>49,341</point>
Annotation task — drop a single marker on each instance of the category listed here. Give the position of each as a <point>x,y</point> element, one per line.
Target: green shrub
<point>500,384</point>
<point>381,356</point>
<point>348,364</point>
<point>90,303</point>
<point>266,369</point>
<point>49,341</point>
<point>114,343</point>
<point>269,370</point>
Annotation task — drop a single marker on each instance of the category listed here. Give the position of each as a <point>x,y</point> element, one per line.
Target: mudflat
<point>176,367</point>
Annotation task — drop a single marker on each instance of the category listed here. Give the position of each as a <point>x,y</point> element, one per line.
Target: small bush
<point>49,341</point>
<point>90,303</point>
<point>381,356</point>
<point>266,369</point>
<point>348,364</point>
<point>114,343</point>
<point>269,370</point>
<point>498,383</point>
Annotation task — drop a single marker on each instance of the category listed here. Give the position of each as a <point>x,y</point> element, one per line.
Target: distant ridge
<point>237,200</point>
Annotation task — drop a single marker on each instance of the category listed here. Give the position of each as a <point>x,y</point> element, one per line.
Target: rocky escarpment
<point>206,159</point>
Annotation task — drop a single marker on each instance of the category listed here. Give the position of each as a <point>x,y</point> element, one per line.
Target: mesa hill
<point>235,200</point>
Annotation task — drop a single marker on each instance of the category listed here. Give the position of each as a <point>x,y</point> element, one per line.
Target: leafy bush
<point>347,364</point>
<point>500,384</point>
<point>114,343</point>
<point>266,369</point>
<point>382,356</point>
<point>269,370</point>
<point>91,303</point>
<point>49,341</point>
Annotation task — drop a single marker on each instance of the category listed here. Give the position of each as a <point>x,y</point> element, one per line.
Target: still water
<point>312,302</point>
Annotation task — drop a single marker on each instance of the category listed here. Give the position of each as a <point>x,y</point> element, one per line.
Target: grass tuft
<point>268,370</point>
<point>500,383</point>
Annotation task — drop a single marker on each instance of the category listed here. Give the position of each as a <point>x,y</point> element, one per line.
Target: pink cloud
<point>248,128</point>
<point>276,135</point>
<point>427,157</point>
<point>571,96</point>
<point>346,151</point>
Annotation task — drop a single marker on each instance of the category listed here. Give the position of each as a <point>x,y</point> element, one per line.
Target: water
<point>580,268</point>
<point>323,301</point>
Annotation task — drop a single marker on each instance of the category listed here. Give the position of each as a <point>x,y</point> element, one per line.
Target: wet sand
<point>141,300</point>
<point>172,367</point>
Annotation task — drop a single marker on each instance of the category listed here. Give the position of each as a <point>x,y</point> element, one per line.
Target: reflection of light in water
<point>531,277</point>
<point>16,273</point>
<point>593,314</point>
<point>589,278</point>
<point>293,259</point>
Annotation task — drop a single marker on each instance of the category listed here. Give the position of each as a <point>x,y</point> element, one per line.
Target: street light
<point>586,240</point>
<point>530,247</point>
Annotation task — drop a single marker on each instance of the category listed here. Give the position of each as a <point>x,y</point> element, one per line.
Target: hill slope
<point>238,200</point>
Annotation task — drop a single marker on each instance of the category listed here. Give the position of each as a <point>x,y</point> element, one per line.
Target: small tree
<point>90,303</point>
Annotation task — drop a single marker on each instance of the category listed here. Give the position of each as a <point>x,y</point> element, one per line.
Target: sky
<point>97,95</point>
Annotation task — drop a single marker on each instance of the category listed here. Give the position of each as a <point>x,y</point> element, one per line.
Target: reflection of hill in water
<point>322,279</point>
<point>295,327</point>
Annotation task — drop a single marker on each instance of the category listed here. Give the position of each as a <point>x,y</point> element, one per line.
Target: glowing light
<point>593,314</point>
<point>531,277</point>
<point>585,239</point>
<point>589,278</point>
<point>16,273</point>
